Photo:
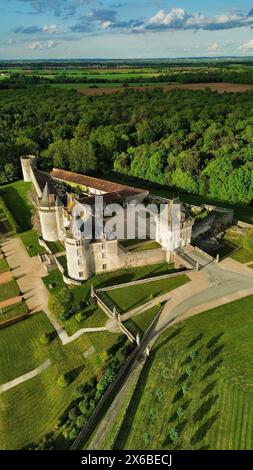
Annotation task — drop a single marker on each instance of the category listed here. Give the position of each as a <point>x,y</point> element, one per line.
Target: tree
<point>174,436</point>
<point>64,380</point>
<point>159,393</point>
<point>45,338</point>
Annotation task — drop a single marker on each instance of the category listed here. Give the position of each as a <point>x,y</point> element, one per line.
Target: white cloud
<point>248,45</point>
<point>106,24</point>
<point>40,45</point>
<point>213,47</point>
<point>178,18</point>
<point>50,28</point>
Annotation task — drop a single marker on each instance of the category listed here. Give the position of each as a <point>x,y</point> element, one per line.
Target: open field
<point>197,386</point>
<point>40,401</point>
<point>219,87</point>
<point>129,297</point>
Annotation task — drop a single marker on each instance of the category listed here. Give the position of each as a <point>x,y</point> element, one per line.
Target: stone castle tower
<point>50,212</point>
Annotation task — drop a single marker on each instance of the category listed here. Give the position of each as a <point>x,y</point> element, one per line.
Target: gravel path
<point>23,378</point>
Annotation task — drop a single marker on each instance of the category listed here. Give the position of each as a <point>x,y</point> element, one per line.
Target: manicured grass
<point>9,290</point>
<point>243,256</point>
<point>129,243</point>
<point>147,247</point>
<point>31,242</point>
<point>130,297</point>
<point>63,261</point>
<point>55,247</point>
<point>14,311</point>
<point>107,279</point>
<point>8,225</point>
<point>54,281</point>
<point>140,323</point>
<point>30,410</point>
<point>215,350</point>
<point>4,267</point>
<point>94,318</point>
<point>235,240</point>
<point>15,196</point>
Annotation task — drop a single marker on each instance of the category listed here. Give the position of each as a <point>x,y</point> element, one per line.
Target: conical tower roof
<point>45,197</point>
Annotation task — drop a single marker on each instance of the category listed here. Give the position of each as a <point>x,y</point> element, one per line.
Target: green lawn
<point>82,292</point>
<point>140,323</point>
<point>15,196</point>
<point>63,261</point>
<point>94,317</point>
<point>37,403</point>
<point>215,350</point>
<point>31,242</point>
<point>149,246</point>
<point>54,281</point>
<point>55,247</point>
<point>9,290</point>
<point>130,297</point>
<point>4,265</point>
<point>236,241</point>
<point>13,311</point>
<point>8,225</point>
<point>243,256</point>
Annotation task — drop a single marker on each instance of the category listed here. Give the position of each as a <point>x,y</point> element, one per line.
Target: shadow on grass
<point>21,212</point>
<point>213,354</point>
<point>184,407</point>
<point>204,408</point>
<point>203,429</point>
<point>74,373</point>
<point>173,335</point>
<point>214,340</point>
<point>208,389</point>
<point>195,340</point>
<point>212,369</point>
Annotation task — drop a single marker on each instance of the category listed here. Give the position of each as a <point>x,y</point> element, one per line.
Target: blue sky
<point>35,29</point>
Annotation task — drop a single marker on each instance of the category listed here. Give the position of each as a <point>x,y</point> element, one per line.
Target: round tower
<point>28,163</point>
<point>78,254</point>
<point>48,216</point>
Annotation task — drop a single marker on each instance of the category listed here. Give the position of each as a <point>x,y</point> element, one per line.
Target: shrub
<point>73,434</point>
<point>45,338</point>
<point>83,406</point>
<point>80,316</point>
<point>64,380</point>
<point>73,413</point>
<point>81,421</point>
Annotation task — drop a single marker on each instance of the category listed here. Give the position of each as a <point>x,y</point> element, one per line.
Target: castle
<point>61,193</point>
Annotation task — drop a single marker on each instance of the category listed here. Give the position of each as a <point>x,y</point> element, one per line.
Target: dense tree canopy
<point>199,142</point>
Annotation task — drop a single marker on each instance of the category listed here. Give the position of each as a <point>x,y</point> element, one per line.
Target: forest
<point>199,142</point>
